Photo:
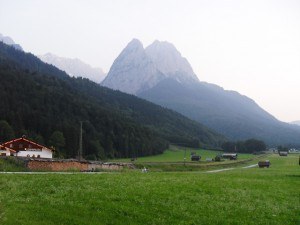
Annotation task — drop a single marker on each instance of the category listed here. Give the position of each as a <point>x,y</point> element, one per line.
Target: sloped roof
<point>26,140</point>
<point>6,149</point>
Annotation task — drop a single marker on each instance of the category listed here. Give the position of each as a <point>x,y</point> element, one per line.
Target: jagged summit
<point>135,44</point>
<point>170,61</point>
<point>132,71</point>
<point>137,69</point>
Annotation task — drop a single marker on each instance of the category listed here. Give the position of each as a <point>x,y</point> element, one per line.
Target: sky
<point>252,47</point>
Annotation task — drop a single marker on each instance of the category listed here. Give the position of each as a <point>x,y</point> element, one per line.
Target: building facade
<point>23,147</point>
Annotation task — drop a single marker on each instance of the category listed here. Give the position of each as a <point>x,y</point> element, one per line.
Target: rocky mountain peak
<point>137,69</point>
<point>132,71</point>
<point>134,44</point>
<point>170,61</point>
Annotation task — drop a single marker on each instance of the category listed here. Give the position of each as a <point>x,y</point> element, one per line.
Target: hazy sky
<point>252,46</point>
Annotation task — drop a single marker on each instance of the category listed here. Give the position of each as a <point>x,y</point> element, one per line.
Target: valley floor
<point>238,196</point>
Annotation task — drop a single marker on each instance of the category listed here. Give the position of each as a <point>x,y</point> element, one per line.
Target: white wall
<point>5,151</point>
<point>43,153</point>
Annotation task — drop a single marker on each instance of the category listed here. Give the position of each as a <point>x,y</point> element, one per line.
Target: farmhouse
<point>23,147</point>
<point>4,151</point>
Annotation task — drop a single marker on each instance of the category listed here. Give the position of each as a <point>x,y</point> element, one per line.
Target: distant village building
<point>231,156</point>
<point>23,147</point>
<point>283,153</point>
<point>4,151</point>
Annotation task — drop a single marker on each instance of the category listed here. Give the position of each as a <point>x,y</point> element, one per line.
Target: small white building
<point>23,147</point>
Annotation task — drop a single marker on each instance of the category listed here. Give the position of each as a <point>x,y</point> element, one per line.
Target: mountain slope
<point>297,122</point>
<point>228,112</point>
<point>9,41</point>
<point>74,67</point>
<point>115,124</point>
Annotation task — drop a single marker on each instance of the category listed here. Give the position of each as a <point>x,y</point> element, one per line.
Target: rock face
<point>9,41</point>
<point>132,71</point>
<point>170,62</point>
<point>74,67</point>
<point>137,69</point>
<point>161,75</point>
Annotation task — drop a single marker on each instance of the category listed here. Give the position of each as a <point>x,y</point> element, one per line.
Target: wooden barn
<point>23,147</point>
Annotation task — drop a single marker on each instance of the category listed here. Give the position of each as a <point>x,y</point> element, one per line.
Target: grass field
<point>11,164</point>
<point>173,160</point>
<point>239,196</point>
<point>176,154</point>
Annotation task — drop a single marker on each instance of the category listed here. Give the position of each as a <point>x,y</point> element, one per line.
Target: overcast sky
<point>252,46</point>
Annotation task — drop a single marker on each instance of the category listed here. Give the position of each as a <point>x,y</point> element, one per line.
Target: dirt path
<point>221,170</point>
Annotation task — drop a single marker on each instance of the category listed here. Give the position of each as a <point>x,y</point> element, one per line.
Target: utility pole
<point>184,156</point>
<point>80,143</point>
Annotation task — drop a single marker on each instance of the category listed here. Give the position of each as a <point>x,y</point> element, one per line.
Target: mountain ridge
<point>74,67</point>
<point>228,112</point>
<point>9,41</point>
<point>296,122</point>
<point>142,68</point>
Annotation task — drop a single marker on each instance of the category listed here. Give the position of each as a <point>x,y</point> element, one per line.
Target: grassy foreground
<point>239,196</point>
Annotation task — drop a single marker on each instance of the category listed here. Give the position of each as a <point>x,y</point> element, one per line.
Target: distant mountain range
<point>74,67</point>
<point>160,74</point>
<point>9,41</point>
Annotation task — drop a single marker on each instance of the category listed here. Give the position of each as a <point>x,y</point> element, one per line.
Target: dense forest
<point>47,105</point>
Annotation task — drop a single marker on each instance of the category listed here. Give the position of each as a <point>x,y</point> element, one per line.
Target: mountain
<point>9,41</point>
<point>174,85</point>
<point>297,122</point>
<point>133,70</point>
<point>170,62</point>
<point>115,124</point>
<point>74,67</point>
<point>137,69</point>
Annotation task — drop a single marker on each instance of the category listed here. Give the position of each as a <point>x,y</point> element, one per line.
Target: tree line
<point>247,146</point>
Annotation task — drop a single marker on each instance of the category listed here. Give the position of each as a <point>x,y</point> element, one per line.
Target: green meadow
<point>237,196</point>
<point>173,160</point>
<point>176,154</point>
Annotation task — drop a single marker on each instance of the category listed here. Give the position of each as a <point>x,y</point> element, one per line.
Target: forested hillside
<point>46,104</point>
